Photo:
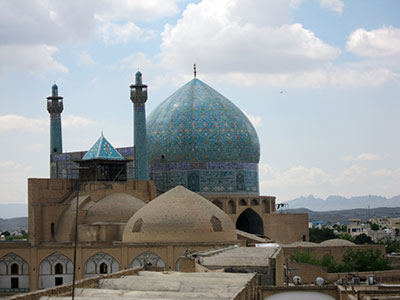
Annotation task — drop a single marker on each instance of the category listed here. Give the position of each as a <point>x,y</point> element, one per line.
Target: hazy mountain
<point>344,215</point>
<point>13,210</point>
<point>341,203</point>
<point>13,224</point>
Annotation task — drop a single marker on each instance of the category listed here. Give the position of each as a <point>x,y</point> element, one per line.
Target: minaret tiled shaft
<point>55,108</point>
<point>139,98</point>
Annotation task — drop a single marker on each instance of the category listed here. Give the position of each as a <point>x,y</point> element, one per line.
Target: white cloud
<point>72,121</point>
<point>350,176</point>
<point>86,59</point>
<point>383,42</point>
<point>39,125</point>
<point>33,30</point>
<point>255,120</point>
<point>6,164</point>
<point>363,157</point>
<point>21,123</point>
<point>227,37</point>
<point>115,33</point>
<point>334,5</point>
<point>298,176</point>
<point>34,59</point>
<point>107,10</point>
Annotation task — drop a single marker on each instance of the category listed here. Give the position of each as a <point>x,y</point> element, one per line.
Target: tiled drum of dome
<point>196,125</point>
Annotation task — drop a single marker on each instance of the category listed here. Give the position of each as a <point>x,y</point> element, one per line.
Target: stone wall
<point>286,228</point>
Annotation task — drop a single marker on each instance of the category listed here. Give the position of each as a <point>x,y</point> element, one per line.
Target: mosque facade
<point>190,183</point>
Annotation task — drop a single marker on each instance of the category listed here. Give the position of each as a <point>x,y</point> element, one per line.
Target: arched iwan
<point>101,263</point>
<point>148,259</point>
<point>250,222</point>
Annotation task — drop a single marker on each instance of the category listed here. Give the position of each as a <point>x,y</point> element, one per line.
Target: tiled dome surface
<point>197,123</point>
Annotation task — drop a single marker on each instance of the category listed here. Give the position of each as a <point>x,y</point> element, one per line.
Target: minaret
<point>55,108</point>
<point>139,98</point>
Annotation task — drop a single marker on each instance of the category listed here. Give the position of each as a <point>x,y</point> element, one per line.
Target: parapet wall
<point>66,290</point>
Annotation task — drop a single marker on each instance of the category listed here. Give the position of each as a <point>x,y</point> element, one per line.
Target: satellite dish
<point>319,281</point>
<point>297,280</point>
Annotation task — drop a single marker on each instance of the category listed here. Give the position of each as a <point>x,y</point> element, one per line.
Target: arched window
<point>231,207</point>
<point>265,206</point>
<point>14,269</point>
<point>52,229</point>
<point>242,202</point>
<point>103,268</point>
<point>254,202</point>
<point>58,269</point>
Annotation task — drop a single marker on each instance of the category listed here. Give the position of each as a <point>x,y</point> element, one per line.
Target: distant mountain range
<point>13,210</point>
<point>341,203</point>
<point>343,216</point>
<point>13,224</point>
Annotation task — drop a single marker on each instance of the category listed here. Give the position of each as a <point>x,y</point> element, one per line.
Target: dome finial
<point>194,70</point>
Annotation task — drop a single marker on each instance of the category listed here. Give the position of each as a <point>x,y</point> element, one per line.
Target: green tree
<point>393,246</point>
<point>374,226</point>
<point>6,233</point>
<point>329,262</point>
<point>363,239</point>
<point>364,260</point>
<point>304,257</point>
<point>319,235</point>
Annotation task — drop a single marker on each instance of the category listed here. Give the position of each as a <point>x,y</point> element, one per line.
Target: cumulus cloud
<point>298,176</point>
<point>115,33</point>
<point>382,42</point>
<point>362,157</point>
<point>38,125</point>
<point>33,30</point>
<point>334,5</point>
<point>228,36</point>
<point>34,59</point>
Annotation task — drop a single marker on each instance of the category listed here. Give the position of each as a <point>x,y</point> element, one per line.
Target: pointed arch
<point>254,202</point>
<point>11,263</point>
<point>250,222</point>
<point>55,269</point>
<point>243,202</point>
<point>231,207</point>
<point>101,263</point>
<point>265,206</point>
<point>14,273</point>
<point>148,258</point>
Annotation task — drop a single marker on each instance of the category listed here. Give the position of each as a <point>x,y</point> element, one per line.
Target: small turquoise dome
<point>198,124</point>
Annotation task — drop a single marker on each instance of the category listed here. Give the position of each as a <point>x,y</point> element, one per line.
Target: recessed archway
<point>250,222</point>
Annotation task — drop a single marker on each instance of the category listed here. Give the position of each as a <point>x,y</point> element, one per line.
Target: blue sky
<point>332,130</point>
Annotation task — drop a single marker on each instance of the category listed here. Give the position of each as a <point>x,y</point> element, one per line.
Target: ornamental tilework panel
<point>209,181</point>
<point>197,123</point>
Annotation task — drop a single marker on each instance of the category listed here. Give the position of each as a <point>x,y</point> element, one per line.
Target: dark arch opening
<point>52,229</point>
<point>58,269</point>
<point>250,222</point>
<point>14,269</point>
<point>103,268</point>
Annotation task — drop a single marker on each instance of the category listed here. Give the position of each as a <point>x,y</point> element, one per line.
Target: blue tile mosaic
<point>199,139</point>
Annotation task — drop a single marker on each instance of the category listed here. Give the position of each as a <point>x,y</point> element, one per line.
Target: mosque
<point>190,183</point>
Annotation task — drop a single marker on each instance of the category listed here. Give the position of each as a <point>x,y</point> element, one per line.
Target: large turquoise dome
<point>196,134</point>
<point>196,123</point>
